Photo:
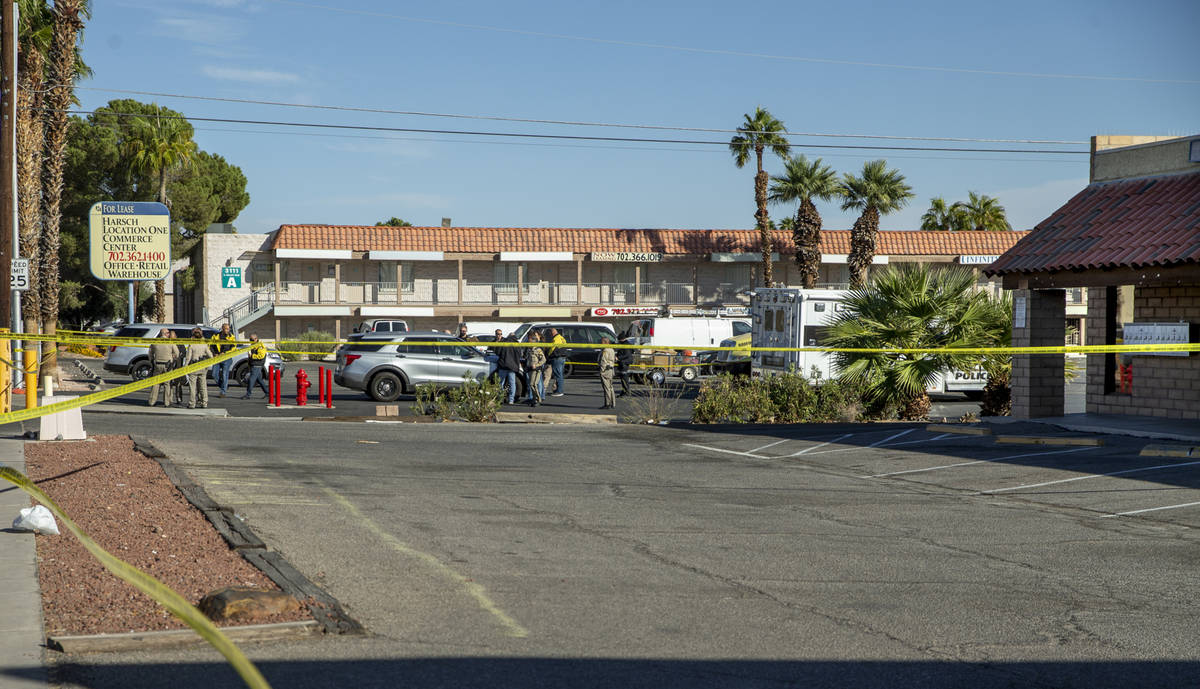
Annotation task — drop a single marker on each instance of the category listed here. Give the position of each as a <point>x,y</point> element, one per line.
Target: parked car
<point>134,360</point>
<point>579,359</point>
<point>382,325</point>
<point>735,361</point>
<point>384,367</point>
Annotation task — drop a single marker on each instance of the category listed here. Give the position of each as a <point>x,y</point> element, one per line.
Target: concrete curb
<point>959,429</point>
<point>1049,440</point>
<point>1183,451</point>
<point>324,608</point>
<point>172,638</point>
<point>532,417</point>
<point>214,412</point>
<point>1093,427</point>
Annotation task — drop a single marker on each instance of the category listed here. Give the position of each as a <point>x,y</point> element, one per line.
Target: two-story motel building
<point>300,278</point>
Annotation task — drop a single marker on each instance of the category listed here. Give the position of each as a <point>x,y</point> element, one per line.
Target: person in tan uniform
<point>164,354</point>
<point>197,380</point>
<point>608,360</point>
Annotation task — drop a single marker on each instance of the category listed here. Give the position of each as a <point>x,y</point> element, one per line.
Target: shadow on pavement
<point>530,673</point>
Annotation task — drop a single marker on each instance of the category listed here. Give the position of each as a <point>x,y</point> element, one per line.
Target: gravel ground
<point>126,503</point>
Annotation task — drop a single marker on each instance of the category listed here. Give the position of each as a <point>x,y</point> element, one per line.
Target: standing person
<point>558,359</point>
<point>258,359</point>
<point>223,342</point>
<point>509,368</point>
<point>197,380</point>
<point>177,383</point>
<point>462,331</point>
<point>162,358</point>
<point>535,366</point>
<point>624,361</point>
<point>607,361</point>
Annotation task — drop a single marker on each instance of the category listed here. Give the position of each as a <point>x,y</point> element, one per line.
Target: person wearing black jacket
<point>508,367</point>
<point>624,361</point>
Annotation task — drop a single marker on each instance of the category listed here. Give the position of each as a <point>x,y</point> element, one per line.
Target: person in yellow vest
<point>223,342</point>
<point>258,359</point>
<point>558,360</point>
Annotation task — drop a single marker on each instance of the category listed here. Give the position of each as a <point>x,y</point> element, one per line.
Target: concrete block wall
<point>1163,386</point>
<point>218,248</point>
<point>1037,379</point>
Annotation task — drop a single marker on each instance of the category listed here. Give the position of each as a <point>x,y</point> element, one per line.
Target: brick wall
<point>1163,386</point>
<point>1037,379</point>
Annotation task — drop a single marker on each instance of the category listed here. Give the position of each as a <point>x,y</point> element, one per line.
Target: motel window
<point>739,275</point>
<point>505,275</point>
<point>387,276</point>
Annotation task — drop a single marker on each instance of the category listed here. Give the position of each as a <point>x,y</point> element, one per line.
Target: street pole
<point>9,242</point>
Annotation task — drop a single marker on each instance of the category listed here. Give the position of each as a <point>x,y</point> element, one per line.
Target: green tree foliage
<point>393,222</point>
<point>804,181</point>
<point>759,132</point>
<point>878,191</point>
<point>911,306</point>
<point>980,212</point>
<point>943,217</point>
<point>97,167</point>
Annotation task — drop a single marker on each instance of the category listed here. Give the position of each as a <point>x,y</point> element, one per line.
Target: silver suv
<point>134,360</point>
<point>381,365</point>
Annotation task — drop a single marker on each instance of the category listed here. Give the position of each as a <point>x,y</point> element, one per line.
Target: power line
<point>498,118</point>
<point>598,147</point>
<point>567,137</point>
<point>734,53</point>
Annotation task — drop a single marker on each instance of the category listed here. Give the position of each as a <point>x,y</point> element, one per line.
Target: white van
<point>489,327</point>
<point>678,333</point>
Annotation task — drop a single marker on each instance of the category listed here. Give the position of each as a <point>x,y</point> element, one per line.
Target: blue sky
<point>698,64</point>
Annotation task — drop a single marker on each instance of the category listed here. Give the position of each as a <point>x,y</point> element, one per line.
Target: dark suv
<point>579,359</point>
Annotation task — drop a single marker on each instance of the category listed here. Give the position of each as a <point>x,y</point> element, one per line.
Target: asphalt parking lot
<point>864,555</point>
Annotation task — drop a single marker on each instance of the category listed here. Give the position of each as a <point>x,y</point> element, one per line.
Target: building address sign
<point>626,257</point>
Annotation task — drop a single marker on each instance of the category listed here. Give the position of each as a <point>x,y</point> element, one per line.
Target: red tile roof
<point>583,240</point>
<point>1136,223</point>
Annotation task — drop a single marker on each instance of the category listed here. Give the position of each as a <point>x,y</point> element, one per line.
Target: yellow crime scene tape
<point>104,396</point>
<point>78,337</point>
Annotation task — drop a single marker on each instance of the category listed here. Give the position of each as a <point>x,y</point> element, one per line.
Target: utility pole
<point>9,244</point>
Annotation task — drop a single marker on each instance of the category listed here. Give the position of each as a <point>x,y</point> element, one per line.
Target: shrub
<point>472,401</point>
<point>786,398</point>
<point>84,350</point>
<point>311,342</point>
<point>656,404</point>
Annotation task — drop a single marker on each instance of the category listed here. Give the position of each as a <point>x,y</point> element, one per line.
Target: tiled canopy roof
<point>695,242</point>
<point>1137,223</point>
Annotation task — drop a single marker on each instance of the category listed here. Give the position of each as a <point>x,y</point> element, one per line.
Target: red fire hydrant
<point>302,386</point>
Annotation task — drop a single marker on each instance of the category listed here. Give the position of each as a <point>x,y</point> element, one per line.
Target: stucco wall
<point>1113,159</point>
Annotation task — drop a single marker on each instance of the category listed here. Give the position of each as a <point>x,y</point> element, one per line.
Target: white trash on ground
<point>37,519</point>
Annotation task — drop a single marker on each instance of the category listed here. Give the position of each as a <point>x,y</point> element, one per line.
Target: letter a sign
<point>231,277</point>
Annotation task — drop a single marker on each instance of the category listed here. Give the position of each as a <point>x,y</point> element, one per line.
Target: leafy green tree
<point>804,181</point>
<point>942,216</point>
<point>983,213</point>
<point>210,190</point>
<point>759,132</point>
<point>910,306</point>
<point>878,191</point>
<point>393,222</point>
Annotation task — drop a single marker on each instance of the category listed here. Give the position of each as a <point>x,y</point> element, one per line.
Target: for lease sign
<point>130,240</point>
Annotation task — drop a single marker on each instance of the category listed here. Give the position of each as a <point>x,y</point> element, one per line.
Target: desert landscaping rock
<point>245,604</point>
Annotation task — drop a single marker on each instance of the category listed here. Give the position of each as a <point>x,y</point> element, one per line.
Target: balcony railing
<point>445,291</point>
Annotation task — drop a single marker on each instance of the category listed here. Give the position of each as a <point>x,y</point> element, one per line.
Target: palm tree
<point>942,216</point>
<point>910,306</point>
<point>158,146</point>
<point>878,191</point>
<point>803,181</point>
<point>759,132</point>
<point>983,213</point>
<point>34,35</point>
<point>64,61</point>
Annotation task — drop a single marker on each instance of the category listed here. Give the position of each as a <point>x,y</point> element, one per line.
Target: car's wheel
<point>656,377</point>
<point>242,375</point>
<point>141,369</point>
<point>568,370</point>
<point>385,387</point>
<point>689,373</point>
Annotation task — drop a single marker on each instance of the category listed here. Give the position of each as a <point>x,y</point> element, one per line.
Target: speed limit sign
<point>19,277</point>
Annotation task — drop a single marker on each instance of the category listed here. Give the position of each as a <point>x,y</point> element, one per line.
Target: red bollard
<point>320,385</point>
<point>270,385</point>
<point>278,387</point>
<point>329,388</point>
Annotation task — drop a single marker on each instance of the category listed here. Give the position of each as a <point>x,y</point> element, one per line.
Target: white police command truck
<point>790,317</point>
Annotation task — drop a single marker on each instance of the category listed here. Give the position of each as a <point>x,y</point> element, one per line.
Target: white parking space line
<point>1082,478</point>
<point>1151,509</point>
<point>980,461</point>
<point>777,442</point>
<point>827,442</point>
<point>730,452</point>
<point>891,437</point>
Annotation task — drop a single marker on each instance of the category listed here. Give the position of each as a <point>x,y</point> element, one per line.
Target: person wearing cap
<point>258,360</point>
<point>163,357</point>
<point>197,381</point>
<point>608,360</point>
